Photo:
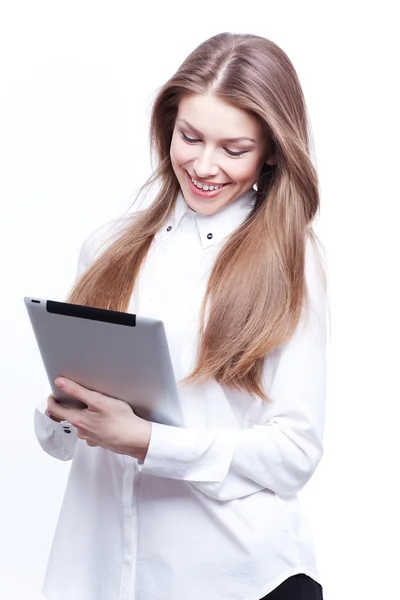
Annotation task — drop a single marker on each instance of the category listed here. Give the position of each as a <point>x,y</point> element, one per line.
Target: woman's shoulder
<point>104,235</point>
<point>100,239</point>
<point>315,264</point>
<point>316,280</point>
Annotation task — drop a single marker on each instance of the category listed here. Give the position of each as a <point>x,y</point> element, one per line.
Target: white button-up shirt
<point>212,512</point>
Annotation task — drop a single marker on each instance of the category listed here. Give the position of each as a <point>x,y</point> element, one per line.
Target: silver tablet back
<point>121,355</point>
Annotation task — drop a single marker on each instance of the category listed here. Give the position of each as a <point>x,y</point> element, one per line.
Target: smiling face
<point>216,144</point>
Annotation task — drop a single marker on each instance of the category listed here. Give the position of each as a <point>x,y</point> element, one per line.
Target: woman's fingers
<point>83,435</point>
<point>88,397</point>
<point>71,414</point>
<point>54,410</point>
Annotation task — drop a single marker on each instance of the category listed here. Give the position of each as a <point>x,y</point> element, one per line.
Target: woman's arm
<point>280,454</point>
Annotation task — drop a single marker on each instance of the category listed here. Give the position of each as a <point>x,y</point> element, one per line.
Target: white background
<point>76,84</point>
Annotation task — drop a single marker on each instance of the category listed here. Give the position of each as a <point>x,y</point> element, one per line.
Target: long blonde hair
<point>257,287</point>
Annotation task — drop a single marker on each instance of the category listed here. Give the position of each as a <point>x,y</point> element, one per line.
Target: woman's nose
<point>204,166</point>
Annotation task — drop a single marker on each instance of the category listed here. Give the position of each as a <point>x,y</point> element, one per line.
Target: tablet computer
<point>118,354</point>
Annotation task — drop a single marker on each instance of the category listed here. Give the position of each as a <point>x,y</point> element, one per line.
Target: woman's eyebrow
<point>238,139</point>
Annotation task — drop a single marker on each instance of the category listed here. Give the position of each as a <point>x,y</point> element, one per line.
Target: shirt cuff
<point>62,426</point>
<point>188,454</point>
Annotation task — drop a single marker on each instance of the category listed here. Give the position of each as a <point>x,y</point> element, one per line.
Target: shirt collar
<point>214,228</point>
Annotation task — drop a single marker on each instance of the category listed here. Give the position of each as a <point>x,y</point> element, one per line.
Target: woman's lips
<point>203,193</point>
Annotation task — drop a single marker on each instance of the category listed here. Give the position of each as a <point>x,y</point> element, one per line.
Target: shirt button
<point>169,228</point>
<point>209,236</point>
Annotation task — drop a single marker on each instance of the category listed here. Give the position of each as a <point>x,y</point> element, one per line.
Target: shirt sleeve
<point>57,439</point>
<point>280,453</point>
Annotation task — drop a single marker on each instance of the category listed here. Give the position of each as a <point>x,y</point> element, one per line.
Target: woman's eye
<point>189,140</point>
<point>232,153</point>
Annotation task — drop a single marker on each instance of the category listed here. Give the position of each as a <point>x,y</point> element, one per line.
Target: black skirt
<point>298,587</point>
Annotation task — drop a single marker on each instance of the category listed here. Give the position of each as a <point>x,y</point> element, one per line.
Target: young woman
<point>226,256</point>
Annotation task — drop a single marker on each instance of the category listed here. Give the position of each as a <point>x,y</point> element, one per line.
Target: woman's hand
<point>106,422</point>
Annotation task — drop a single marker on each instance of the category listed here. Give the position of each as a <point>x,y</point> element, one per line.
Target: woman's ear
<point>271,160</point>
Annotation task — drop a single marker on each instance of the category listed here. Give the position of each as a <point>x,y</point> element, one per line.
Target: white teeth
<point>205,187</point>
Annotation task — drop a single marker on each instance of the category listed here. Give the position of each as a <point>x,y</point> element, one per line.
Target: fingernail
<point>60,382</point>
